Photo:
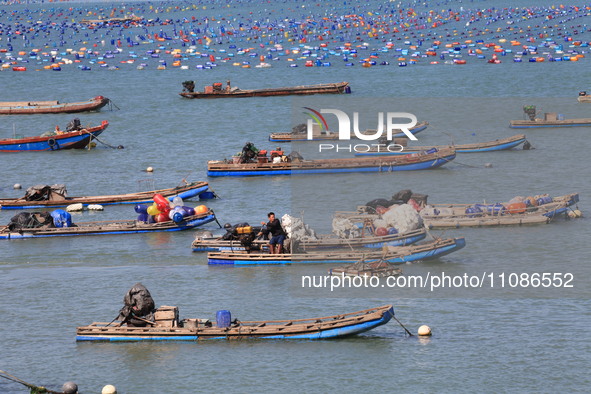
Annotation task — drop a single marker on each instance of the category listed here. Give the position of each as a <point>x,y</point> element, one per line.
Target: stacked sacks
<point>297,231</point>
<point>295,228</point>
<point>163,210</point>
<point>344,228</point>
<point>402,218</point>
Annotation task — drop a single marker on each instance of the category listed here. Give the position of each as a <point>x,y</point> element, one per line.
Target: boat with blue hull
<point>411,162</point>
<point>540,209</point>
<point>400,254</point>
<point>490,146</point>
<point>49,200</point>
<point>333,136</point>
<point>551,119</point>
<point>76,139</point>
<point>217,244</point>
<point>329,327</point>
<point>108,227</point>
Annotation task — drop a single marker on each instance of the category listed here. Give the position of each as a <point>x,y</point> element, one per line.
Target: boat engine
<point>189,86</point>
<point>530,110</point>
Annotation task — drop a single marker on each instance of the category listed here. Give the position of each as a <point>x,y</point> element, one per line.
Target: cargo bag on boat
<point>46,193</point>
<point>30,220</point>
<point>74,125</point>
<point>138,303</point>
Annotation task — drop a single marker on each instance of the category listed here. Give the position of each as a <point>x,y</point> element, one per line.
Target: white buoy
<point>75,207</point>
<point>578,214</point>
<point>424,331</point>
<point>109,389</point>
<point>17,186</point>
<point>149,169</point>
<point>95,207</point>
<point>488,165</point>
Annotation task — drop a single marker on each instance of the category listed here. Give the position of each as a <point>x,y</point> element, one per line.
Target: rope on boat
<point>94,137</point>
<point>462,164</point>
<point>112,104</point>
<point>34,389</point>
<point>401,325</point>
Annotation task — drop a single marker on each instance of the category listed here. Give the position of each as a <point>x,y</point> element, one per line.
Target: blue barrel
<point>223,318</point>
<point>208,195</point>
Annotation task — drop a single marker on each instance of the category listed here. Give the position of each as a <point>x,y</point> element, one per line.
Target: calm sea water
<point>491,339</point>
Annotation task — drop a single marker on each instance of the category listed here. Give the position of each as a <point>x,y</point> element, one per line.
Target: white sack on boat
<point>403,218</point>
<point>344,228</point>
<point>297,229</point>
<point>429,211</point>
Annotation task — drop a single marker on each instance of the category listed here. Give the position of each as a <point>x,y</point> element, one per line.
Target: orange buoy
<point>200,209</point>
<point>516,207</point>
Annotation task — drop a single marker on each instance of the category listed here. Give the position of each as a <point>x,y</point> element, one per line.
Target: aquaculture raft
<point>108,227</point>
<point>76,139</point>
<point>418,161</point>
<point>327,88</point>
<point>399,254</point>
<point>490,146</point>
<point>336,326</point>
<point>186,191</point>
<point>51,107</point>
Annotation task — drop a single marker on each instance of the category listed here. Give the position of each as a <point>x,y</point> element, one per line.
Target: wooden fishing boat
<point>337,326</point>
<point>186,191</point>
<point>76,139</point>
<point>51,107</point>
<point>455,215</point>
<point>216,91</point>
<point>217,244</point>
<point>108,227</point>
<point>391,254</point>
<point>441,216</point>
<point>418,161</point>
<point>550,120</point>
<point>490,146</point>
<point>332,136</point>
<point>362,268</point>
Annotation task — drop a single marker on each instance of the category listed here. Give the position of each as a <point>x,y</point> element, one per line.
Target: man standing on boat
<point>277,234</point>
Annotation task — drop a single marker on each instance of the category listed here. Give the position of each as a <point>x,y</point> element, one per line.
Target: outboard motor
<point>530,110</point>
<point>189,86</point>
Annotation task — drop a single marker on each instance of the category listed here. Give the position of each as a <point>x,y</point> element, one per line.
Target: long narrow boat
<point>185,191</point>
<point>442,216</point>
<point>550,120</point>
<point>108,227</point>
<point>51,107</point>
<point>390,254</point>
<point>217,244</point>
<point>330,136</point>
<point>77,139</point>
<point>419,161</point>
<point>215,92</point>
<point>490,146</point>
<point>337,326</point>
